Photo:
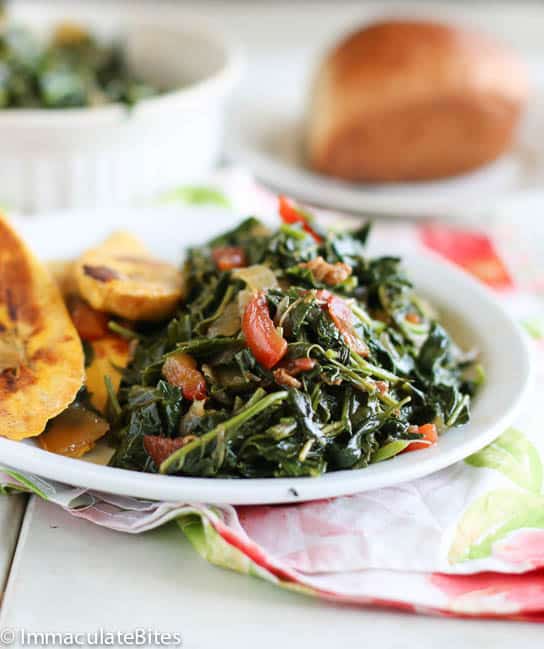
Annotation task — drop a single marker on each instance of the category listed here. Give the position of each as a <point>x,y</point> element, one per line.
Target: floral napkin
<point>466,541</point>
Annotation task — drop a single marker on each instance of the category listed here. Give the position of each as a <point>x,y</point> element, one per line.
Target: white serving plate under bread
<point>266,130</point>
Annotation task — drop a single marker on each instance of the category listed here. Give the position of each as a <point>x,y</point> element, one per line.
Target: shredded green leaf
<point>325,406</point>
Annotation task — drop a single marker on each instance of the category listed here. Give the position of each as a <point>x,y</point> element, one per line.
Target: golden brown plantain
<point>109,352</point>
<point>74,432</point>
<point>111,355</point>
<point>41,358</point>
<point>121,276</point>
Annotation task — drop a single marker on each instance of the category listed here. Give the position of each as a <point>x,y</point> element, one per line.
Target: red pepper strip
<point>180,370</point>
<point>290,214</point>
<point>343,319</point>
<point>262,337</point>
<point>229,257</point>
<point>429,434</point>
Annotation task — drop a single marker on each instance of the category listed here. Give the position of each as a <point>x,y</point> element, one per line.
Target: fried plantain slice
<point>110,355</point>
<point>106,353</point>
<point>41,357</point>
<point>74,432</point>
<point>122,277</point>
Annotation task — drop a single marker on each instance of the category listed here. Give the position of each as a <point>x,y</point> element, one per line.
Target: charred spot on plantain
<point>12,351</point>
<point>11,306</point>
<point>13,380</point>
<point>46,356</point>
<point>16,291</point>
<point>101,273</point>
<point>8,380</point>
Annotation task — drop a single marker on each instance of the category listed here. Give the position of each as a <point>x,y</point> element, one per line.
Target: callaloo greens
<point>293,354</point>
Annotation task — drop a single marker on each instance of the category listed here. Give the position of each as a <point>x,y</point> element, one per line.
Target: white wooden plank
<point>11,513</point>
<point>74,577</point>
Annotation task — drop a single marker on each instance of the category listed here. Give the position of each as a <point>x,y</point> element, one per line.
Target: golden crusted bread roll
<point>412,100</point>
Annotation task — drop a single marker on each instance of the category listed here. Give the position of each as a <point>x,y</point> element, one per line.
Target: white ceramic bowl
<point>113,155</point>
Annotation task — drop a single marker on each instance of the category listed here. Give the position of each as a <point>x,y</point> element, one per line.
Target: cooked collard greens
<point>293,354</point>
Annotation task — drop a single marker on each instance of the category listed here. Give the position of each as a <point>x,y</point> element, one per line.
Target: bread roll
<point>412,100</point>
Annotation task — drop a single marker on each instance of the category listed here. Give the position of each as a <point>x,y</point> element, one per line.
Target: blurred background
<point>270,52</point>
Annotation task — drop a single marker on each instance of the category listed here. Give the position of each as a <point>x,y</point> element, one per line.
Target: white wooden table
<point>71,576</point>
<point>62,574</point>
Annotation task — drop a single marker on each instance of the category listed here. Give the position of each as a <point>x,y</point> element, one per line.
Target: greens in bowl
<point>72,69</point>
<point>292,354</point>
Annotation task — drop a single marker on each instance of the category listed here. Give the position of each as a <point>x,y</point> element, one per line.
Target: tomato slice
<point>290,214</point>
<point>262,337</point>
<point>181,370</point>
<point>229,257</point>
<point>429,433</point>
<point>90,324</point>
<point>413,318</point>
<point>343,319</point>
<point>161,448</point>
<point>295,366</point>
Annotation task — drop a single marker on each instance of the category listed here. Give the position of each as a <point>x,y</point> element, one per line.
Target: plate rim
<point>395,203</point>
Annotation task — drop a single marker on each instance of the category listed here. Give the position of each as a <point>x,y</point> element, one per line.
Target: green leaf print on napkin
<point>513,455</point>
<point>209,544</point>
<point>196,195</point>
<point>214,548</point>
<point>21,484</point>
<point>492,517</point>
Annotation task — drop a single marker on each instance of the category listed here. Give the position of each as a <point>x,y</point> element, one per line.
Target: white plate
<point>468,309</point>
<point>266,129</point>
